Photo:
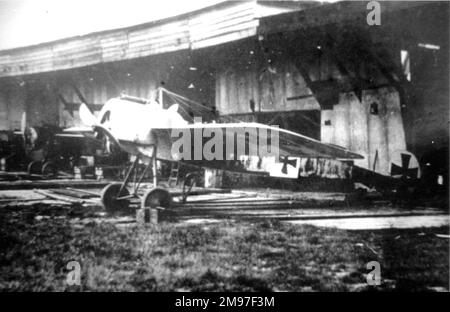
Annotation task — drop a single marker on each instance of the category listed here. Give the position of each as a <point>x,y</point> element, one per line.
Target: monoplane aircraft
<point>145,129</point>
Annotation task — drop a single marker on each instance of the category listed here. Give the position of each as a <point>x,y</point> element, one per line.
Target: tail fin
<point>86,116</point>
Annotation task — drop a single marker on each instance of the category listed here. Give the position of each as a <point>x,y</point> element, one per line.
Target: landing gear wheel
<point>189,182</point>
<point>35,167</point>
<point>157,197</point>
<point>49,170</point>
<point>109,198</point>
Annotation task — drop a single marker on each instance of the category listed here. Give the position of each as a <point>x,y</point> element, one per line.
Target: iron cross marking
<point>404,170</point>
<point>286,162</point>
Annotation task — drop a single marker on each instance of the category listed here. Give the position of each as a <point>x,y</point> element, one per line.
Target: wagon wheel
<point>157,197</point>
<point>111,199</point>
<point>49,169</point>
<point>35,167</point>
<point>189,182</point>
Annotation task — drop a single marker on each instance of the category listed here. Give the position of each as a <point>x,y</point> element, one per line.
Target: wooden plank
<point>161,40</point>
<point>213,16</point>
<point>199,191</point>
<point>11,200</point>
<point>157,49</point>
<point>23,185</point>
<point>58,197</point>
<point>71,193</point>
<point>205,28</point>
<point>84,191</point>
<point>237,32</point>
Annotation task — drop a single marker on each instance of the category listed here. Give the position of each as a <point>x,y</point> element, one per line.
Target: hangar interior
<point>317,69</point>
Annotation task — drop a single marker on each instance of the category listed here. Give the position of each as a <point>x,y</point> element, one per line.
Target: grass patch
<point>229,256</point>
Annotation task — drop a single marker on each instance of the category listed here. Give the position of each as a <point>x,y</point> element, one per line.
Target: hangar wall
<point>254,75</point>
<point>271,89</point>
<point>13,103</point>
<point>4,112</point>
<point>377,135</point>
<point>270,78</point>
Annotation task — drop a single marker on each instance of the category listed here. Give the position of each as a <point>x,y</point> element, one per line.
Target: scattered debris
<point>52,195</point>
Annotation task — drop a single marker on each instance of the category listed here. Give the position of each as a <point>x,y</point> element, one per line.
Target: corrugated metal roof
<point>223,22</point>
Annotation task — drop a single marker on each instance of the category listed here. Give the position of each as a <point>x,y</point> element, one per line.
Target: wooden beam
<point>387,70</point>
<point>331,46</point>
<point>71,107</point>
<point>79,94</point>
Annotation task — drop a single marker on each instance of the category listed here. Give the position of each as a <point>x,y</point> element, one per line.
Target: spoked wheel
<point>49,170</point>
<point>35,167</point>
<point>157,197</point>
<point>111,198</point>
<point>189,182</point>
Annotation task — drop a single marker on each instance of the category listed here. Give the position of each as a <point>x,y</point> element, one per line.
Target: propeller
<point>89,119</point>
<point>86,116</point>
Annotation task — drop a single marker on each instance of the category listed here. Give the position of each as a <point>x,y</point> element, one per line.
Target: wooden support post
<point>79,94</point>
<point>331,48</point>
<point>154,169</point>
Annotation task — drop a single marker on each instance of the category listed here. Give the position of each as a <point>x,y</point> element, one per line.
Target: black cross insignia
<point>404,171</point>
<point>286,162</point>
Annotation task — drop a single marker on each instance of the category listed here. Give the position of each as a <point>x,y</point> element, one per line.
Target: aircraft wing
<point>77,132</point>
<point>70,135</point>
<point>290,143</point>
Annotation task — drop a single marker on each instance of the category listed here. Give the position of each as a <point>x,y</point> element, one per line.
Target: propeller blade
<point>86,116</point>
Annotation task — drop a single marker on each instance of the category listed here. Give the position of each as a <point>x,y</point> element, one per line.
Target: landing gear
<point>35,167</point>
<point>115,197</point>
<point>189,182</point>
<point>49,170</point>
<point>157,197</point>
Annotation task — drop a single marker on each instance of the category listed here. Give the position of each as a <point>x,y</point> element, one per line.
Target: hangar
<point>366,100</point>
<point>315,68</point>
